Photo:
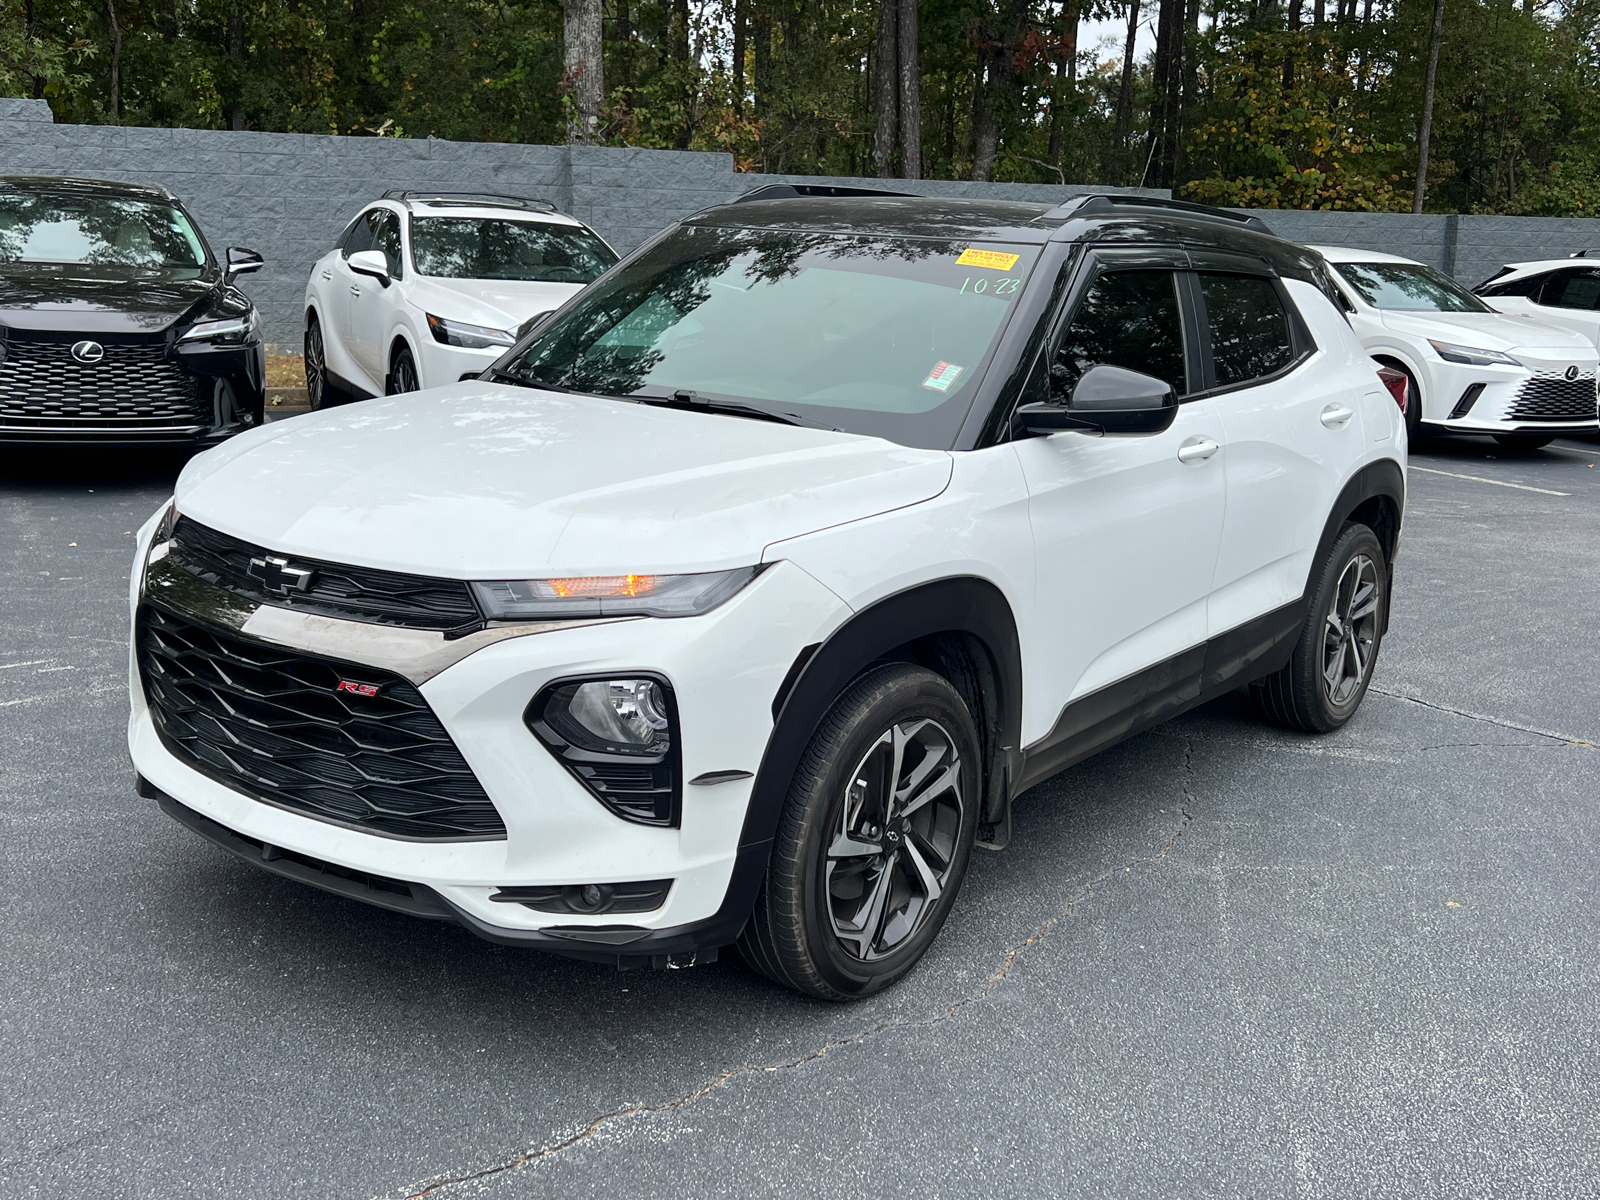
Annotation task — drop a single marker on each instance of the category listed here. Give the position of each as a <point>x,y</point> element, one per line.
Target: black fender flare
<point>962,605</point>
<point>1375,481</point>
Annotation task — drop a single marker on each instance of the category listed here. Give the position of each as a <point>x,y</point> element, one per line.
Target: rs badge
<point>360,689</point>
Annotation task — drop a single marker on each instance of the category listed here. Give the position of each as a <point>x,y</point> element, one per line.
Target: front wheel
<point>1331,667</point>
<point>403,374</point>
<point>873,841</point>
<point>320,390</point>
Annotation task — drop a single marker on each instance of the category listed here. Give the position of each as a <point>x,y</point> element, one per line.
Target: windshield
<point>492,248</point>
<point>45,227</point>
<point>878,335</point>
<point>1409,286</point>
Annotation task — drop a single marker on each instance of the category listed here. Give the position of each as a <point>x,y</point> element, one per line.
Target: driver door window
<point>1127,319</point>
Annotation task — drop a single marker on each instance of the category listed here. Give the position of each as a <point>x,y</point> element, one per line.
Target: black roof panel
<point>895,216</point>
<point>69,183</point>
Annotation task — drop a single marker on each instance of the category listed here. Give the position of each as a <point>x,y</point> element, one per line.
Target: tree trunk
<point>584,69</point>
<point>1063,92</point>
<point>116,65</point>
<point>910,93</point>
<point>681,52</point>
<point>1319,12</point>
<point>741,18</point>
<point>235,52</point>
<point>886,89</point>
<point>763,63</point>
<point>1163,108</point>
<point>1426,131</point>
<point>1125,92</point>
<point>985,124</point>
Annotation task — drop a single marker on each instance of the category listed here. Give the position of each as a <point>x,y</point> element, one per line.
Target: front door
<point>372,302</point>
<point>1126,531</point>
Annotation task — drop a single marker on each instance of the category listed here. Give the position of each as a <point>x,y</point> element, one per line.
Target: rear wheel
<point>1523,442</point>
<point>873,841</point>
<point>1331,667</point>
<point>321,392</point>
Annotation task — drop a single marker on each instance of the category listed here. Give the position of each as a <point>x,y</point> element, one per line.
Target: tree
<point>584,71</point>
<point>1426,129</point>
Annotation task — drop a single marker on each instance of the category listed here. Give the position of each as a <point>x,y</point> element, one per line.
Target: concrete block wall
<point>288,195</point>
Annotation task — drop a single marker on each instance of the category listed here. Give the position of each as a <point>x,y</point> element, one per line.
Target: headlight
<point>473,337</point>
<point>611,595</point>
<point>229,331</point>
<point>1472,355</point>
<point>619,738</point>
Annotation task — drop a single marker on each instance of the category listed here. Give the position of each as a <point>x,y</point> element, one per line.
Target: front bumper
<point>724,667</point>
<point>440,364</point>
<point>1536,398</point>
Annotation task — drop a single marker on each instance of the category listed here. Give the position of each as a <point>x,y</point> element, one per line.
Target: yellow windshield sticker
<point>995,260</point>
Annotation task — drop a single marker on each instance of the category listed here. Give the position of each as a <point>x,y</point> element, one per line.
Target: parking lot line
<point>1577,450</point>
<point>1521,487</point>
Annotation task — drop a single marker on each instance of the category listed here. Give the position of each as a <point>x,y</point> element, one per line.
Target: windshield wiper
<point>693,401</point>
<point>493,374</point>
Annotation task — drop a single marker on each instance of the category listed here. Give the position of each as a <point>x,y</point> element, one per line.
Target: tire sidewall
<point>879,701</point>
<point>316,397</point>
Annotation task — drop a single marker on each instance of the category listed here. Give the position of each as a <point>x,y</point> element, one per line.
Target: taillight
<point>1398,384</point>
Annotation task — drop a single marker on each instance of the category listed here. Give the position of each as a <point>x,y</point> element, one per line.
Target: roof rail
<point>788,191</point>
<point>468,199</point>
<point>1102,205</point>
<point>1585,254</point>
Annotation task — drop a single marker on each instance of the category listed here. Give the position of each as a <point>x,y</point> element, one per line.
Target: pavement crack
<point>1008,962</point>
<point>1568,738</point>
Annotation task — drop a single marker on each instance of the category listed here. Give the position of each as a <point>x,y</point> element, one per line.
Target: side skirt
<point>1145,699</point>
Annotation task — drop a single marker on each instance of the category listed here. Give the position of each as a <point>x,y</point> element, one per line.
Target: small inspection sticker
<point>942,376</point>
<point>995,260</point>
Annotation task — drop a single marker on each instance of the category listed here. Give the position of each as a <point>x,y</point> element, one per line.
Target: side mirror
<point>370,262</point>
<point>1108,399</point>
<point>242,262</point>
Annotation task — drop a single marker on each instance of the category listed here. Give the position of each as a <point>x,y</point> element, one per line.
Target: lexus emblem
<point>88,352</point>
<point>276,575</point>
<point>1572,372</point>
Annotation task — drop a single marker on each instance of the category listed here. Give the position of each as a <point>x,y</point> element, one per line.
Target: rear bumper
<point>625,946</point>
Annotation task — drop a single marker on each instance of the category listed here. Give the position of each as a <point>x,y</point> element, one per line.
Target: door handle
<point>327,274</point>
<point>355,291</point>
<point>1337,416</point>
<point>1197,449</point>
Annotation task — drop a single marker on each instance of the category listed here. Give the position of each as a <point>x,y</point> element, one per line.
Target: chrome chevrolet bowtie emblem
<point>1572,372</point>
<point>88,352</point>
<point>276,575</point>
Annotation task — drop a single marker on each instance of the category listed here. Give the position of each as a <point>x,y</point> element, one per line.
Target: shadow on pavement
<point>26,469</point>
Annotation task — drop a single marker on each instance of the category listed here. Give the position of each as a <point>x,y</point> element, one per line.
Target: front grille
<point>1551,396</point>
<point>272,723</point>
<point>133,387</point>
<point>355,593</point>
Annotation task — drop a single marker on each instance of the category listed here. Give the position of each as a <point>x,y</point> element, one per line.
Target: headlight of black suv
<point>224,331</point>
<point>619,738</point>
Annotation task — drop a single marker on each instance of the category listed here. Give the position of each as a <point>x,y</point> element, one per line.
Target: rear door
<point>1125,532</point>
<point>1291,409</point>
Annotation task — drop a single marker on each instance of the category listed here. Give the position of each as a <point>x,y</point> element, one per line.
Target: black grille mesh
<point>133,386</point>
<point>356,593</point>
<point>1549,396</point>
<point>271,723</point>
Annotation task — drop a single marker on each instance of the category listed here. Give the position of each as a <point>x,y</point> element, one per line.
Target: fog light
<point>589,898</point>
<point>619,738</point>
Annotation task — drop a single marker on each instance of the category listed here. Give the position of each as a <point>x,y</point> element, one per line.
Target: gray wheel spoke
<point>941,784</point>
<point>863,929</point>
<point>931,883</point>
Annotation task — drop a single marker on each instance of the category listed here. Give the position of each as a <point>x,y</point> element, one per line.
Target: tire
<point>853,896</point>
<point>321,392</point>
<point>1414,433</point>
<point>1343,630</point>
<point>403,373</point>
<point>1523,442</point>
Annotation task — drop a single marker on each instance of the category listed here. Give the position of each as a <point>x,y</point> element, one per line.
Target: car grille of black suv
<point>1550,396</point>
<point>278,725</point>
<point>133,387</point>
<point>333,589</point>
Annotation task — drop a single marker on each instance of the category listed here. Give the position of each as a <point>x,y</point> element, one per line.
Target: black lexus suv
<point>118,324</point>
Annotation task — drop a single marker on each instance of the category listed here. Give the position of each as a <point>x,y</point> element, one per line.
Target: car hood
<point>1487,331</point>
<point>90,300</point>
<point>501,303</point>
<point>481,481</point>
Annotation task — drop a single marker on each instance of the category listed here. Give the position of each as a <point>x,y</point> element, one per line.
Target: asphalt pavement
<point>1221,960</point>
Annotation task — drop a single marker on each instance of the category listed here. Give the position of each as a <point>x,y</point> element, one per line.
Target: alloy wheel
<point>316,367</point>
<point>894,845</point>
<point>1350,631</point>
<point>404,376</point>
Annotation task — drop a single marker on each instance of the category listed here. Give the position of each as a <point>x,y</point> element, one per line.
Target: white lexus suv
<point>734,606</point>
<point>1468,368</point>
<point>428,288</point>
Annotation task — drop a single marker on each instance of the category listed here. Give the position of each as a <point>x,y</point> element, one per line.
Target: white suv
<point>427,288</point>
<point>735,606</point>
<point>1468,368</point>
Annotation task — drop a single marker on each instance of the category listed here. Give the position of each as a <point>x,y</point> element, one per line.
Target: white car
<point>1470,368</point>
<point>428,288</point>
<point>735,605</point>
<point>1558,291</point>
